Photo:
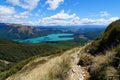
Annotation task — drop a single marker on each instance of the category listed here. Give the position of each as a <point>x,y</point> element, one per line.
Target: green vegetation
<point>19,54</point>
<point>6,41</point>
<point>102,56</point>
<point>103,66</point>
<point>14,69</point>
<point>110,38</point>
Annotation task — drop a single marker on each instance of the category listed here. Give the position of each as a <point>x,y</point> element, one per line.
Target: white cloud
<point>39,10</point>
<point>26,4</point>
<point>104,14</point>
<point>8,14</point>
<point>53,4</point>
<point>60,18</point>
<point>36,14</point>
<point>4,10</point>
<point>65,19</point>
<point>100,21</point>
<point>22,15</point>
<point>101,14</point>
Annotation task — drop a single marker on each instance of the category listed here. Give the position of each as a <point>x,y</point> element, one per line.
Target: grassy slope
<point>105,66</point>
<point>19,54</point>
<point>53,67</point>
<point>108,39</point>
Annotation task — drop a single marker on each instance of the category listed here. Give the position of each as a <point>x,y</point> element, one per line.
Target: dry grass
<point>102,60</point>
<point>59,71</point>
<point>85,59</point>
<point>54,68</point>
<point>59,67</point>
<point>101,66</point>
<point>111,73</point>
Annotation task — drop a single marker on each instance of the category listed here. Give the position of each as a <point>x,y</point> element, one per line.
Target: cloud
<point>8,14</point>
<point>104,14</point>
<point>26,4</point>
<point>101,14</point>
<point>4,10</point>
<point>22,15</point>
<point>65,19</point>
<point>60,18</point>
<point>53,4</point>
<point>100,21</point>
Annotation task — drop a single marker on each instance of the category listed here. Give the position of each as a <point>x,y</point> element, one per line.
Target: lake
<point>50,37</point>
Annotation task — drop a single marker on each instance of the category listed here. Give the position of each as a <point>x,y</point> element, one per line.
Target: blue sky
<point>59,12</point>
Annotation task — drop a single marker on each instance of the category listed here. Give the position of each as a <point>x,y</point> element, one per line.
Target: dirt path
<point>76,72</point>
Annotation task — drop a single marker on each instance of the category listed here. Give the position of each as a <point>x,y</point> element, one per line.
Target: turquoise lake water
<point>50,37</point>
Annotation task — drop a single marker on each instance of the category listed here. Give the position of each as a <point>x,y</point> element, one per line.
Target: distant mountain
<point>16,31</point>
<point>110,38</point>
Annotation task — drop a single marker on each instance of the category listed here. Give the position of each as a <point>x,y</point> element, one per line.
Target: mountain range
<point>16,31</point>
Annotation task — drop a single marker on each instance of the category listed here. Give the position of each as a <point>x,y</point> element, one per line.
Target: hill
<point>57,67</point>
<point>6,41</point>
<point>16,31</point>
<point>110,38</point>
<point>14,55</point>
<point>102,57</point>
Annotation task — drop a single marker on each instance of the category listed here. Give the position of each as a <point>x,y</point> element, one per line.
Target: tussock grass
<point>58,68</point>
<point>59,71</point>
<point>85,59</point>
<point>110,73</point>
<point>100,66</point>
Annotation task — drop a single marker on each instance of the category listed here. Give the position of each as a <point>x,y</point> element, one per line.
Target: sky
<point>59,12</point>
